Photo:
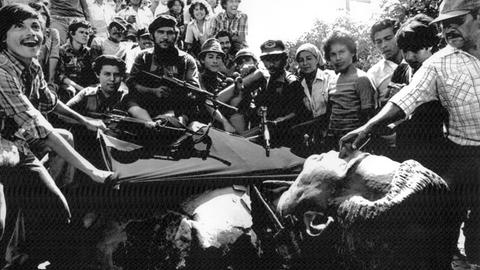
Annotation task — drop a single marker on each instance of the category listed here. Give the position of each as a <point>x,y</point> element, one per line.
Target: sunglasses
<point>459,20</point>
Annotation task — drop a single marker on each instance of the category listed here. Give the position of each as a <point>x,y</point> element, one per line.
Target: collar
<point>69,48</point>
<point>223,15</point>
<point>20,66</point>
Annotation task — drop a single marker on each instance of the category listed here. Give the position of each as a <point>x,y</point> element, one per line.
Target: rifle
<point>176,83</point>
<point>264,128</point>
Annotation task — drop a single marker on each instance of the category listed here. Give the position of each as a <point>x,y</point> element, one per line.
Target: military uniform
<point>92,99</point>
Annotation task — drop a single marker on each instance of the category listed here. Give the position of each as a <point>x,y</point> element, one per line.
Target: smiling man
<point>382,34</point>
<point>451,76</point>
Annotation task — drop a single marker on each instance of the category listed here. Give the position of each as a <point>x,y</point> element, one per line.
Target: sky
<point>289,19</point>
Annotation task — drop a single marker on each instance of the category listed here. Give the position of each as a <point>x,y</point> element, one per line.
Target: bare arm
<point>390,113</point>
<point>91,124</point>
<point>60,146</point>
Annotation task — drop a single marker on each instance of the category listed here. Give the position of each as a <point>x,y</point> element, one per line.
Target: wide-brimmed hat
<point>211,45</point>
<point>454,8</point>
<point>243,53</point>
<point>272,47</point>
<point>120,22</point>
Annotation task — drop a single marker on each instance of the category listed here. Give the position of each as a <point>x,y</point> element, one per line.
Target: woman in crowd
<point>197,28</point>
<point>316,85</point>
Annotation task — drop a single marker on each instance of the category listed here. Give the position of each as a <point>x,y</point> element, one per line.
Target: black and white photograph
<point>240,134</point>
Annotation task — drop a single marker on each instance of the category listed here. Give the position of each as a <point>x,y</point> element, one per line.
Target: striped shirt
<point>453,77</point>
<point>14,102</point>
<point>236,26</point>
<point>354,93</point>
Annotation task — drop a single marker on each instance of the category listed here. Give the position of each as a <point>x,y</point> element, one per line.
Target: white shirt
<point>100,16</point>
<point>195,33</point>
<point>143,16</point>
<point>316,102</point>
<point>380,74</point>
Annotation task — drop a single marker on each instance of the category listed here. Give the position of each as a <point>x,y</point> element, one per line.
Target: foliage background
<point>366,52</point>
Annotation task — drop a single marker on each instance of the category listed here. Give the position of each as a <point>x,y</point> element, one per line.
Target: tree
<point>403,9</point>
<point>366,53</point>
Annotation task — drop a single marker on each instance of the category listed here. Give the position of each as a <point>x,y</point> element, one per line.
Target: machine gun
<point>166,136</point>
<point>190,89</point>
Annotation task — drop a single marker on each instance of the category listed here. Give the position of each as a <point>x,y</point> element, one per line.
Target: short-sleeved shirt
<point>22,103</point>
<point>193,32</point>
<point>353,94</point>
<point>101,45</point>
<point>93,100</point>
<point>381,74</point>
<point>282,96</point>
<point>452,76</point>
<point>76,65</point>
<point>178,64</point>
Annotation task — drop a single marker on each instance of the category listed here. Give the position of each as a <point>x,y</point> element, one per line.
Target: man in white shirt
<point>382,34</point>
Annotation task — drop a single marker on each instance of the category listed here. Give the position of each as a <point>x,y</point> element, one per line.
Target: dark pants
<point>35,214</point>
<point>463,177</point>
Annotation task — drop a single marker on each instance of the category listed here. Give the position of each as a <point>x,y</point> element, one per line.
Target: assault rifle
<point>196,91</point>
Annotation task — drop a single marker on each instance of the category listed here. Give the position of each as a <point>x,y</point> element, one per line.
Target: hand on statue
<point>100,176</point>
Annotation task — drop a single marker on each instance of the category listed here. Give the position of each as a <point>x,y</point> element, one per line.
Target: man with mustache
<point>114,44</point>
<point>452,76</point>
<point>148,97</point>
<point>283,95</point>
<point>382,34</point>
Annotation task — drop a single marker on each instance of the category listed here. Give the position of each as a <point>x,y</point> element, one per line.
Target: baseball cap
<point>272,47</point>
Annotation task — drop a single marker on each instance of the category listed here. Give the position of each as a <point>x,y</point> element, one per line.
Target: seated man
<point>102,98</point>
<point>105,96</point>
<point>75,62</point>
<point>283,96</point>
<point>114,44</point>
<point>149,97</point>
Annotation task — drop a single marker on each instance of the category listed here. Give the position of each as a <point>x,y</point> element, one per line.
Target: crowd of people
<point>62,61</point>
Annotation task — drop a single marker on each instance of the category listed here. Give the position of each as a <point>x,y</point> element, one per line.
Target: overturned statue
<point>363,212</point>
